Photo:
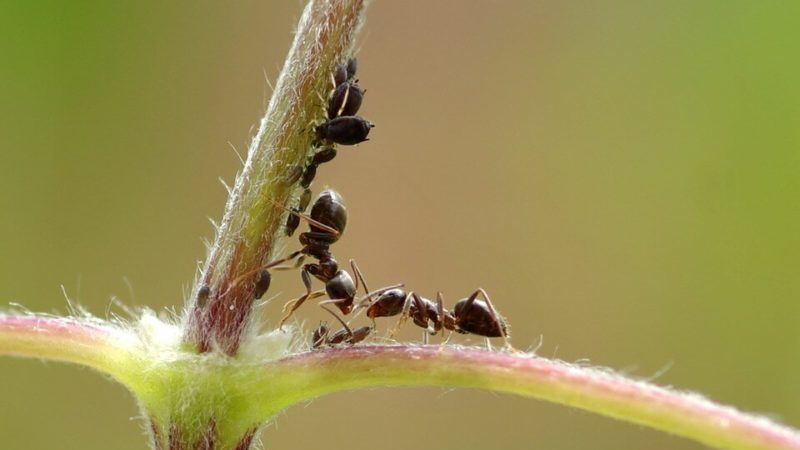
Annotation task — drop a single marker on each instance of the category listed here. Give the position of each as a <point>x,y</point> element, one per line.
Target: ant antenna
<point>308,219</point>
<point>339,319</point>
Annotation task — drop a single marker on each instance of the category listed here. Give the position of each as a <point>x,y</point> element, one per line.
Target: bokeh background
<point>622,177</point>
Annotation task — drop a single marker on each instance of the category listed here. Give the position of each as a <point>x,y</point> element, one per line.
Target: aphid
<point>352,66</point>
<point>324,155</point>
<point>319,335</point>
<point>345,130</point>
<point>294,174</point>
<point>347,336</point>
<point>202,296</point>
<point>345,100</point>
<point>305,199</point>
<point>322,336</point>
<point>262,284</point>
<point>345,72</point>
<point>340,74</point>
<point>293,220</point>
<point>308,176</point>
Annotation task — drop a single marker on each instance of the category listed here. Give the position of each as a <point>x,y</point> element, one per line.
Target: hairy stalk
<point>252,222</point>
<point>601,391</point>
<point>100,346</point>
<point>227,400</point>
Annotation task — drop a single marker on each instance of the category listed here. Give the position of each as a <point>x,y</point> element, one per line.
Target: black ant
<point>327,222</point>
<point>469,315</point>
<point>306,178</point>
<point>322,336</point>
<point>421,310</point>
<point>474,316</point>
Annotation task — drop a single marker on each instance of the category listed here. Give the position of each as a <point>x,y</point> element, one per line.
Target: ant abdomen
<point>476,317</point>
<point>330,211</point>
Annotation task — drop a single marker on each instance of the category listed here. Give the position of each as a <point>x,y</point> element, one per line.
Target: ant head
<point>329,210</point>
<point>342,288</point>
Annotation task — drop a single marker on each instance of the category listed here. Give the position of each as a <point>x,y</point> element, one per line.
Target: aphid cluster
<point>342,126</point>
<point>327,220</point>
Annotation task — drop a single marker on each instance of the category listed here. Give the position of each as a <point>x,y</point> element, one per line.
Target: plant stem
<point>102,347</point>
<point>600,391</point>
<point>252,222</point>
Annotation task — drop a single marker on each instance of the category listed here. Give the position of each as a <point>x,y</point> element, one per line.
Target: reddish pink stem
<point>601,391</point>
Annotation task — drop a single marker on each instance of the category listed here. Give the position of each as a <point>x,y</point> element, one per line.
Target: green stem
<point>600,391</point>
<point>253,222</point>
<point>100,346</point>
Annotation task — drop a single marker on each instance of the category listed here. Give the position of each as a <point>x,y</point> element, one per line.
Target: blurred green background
<point>622,177</point>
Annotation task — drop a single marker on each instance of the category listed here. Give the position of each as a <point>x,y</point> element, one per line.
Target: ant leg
<point>294,304</point>
<point>447,339</point>
<point>297,263</point>
<point>359,276</point>
<point>438,323</point>
<point>501,325</point>
<point>344,102</point>
<point>269,265</point>
<point>404,315</point>
<point>332,301</point>
<point>440,306</point>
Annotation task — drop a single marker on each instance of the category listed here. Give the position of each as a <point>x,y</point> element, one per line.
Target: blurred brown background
<point>622,178</point>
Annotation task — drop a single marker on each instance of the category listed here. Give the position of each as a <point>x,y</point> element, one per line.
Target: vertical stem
<point>252,222</point>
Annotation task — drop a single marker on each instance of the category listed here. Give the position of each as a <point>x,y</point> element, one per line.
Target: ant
<point>306,178</point>
<point>327,222</point>
<point>421,310</point>
<point>473,316</point>
<point>469,315</point>
<point>322,336</point>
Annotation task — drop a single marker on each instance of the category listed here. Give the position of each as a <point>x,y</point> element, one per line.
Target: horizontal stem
<point>596,390</point>
<point>84,342</point>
